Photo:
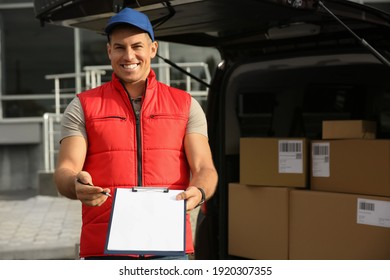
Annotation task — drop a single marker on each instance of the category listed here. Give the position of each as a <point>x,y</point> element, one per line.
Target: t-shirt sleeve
<point>197,122</point>
<point>73,123</point>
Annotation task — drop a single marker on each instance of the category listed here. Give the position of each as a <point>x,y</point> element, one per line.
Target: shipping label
<point>320,155</point>
<point>373,212</point>
<point>290,156</point>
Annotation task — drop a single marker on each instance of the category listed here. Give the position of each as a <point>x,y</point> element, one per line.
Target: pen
<point>88,184</point>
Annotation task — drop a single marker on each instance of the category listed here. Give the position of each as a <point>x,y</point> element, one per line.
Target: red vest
<point>120,155</point>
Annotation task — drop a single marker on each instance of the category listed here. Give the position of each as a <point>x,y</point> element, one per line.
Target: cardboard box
<point>258,222</point>
<point>335,226</point>
<point>274,162</point>
<point>349,129</point>
<point>351,166</point>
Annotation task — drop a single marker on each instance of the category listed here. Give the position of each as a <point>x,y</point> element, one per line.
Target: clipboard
<point>147,221</point>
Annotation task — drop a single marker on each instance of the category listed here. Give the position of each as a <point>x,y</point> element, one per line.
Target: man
<point>131,131</point>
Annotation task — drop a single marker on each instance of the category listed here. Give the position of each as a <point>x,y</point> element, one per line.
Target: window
<point>29,52</point>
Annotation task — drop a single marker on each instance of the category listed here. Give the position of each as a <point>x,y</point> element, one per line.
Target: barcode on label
<point>366,206</point>
<point>290,147</point>
<point>320,150</point>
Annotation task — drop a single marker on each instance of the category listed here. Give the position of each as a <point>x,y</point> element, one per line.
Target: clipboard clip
<point>161,189</point>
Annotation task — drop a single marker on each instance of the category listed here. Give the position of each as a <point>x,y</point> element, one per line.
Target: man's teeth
<point>130,66</point>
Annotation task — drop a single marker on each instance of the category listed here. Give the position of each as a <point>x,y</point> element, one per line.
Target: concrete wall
<point>21,155</point>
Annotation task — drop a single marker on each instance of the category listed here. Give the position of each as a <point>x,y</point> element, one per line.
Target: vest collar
<point>150,81</point>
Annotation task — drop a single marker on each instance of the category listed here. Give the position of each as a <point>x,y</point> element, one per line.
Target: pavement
<point>39,227</point>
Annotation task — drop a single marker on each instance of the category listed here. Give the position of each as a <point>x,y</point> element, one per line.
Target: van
<point>287,65</point>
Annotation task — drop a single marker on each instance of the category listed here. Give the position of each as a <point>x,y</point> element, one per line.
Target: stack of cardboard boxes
<point>324,199</point>
<point>259,205</point>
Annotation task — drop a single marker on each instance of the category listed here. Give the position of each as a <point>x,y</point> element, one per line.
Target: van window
<point>293,101</point>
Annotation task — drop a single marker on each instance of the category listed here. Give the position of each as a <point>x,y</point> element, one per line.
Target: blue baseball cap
<point>131,17</point>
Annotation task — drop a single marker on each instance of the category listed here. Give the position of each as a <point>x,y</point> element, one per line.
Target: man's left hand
<point>193,196</point>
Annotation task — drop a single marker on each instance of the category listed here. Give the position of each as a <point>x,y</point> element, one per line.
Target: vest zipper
<point>138,136</point>
<point>139,147</point>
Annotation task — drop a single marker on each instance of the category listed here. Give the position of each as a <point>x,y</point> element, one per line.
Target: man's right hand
<point>87,193</point>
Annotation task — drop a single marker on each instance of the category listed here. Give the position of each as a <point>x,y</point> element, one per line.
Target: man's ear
<point>153,49</point>
<point>109,50</point>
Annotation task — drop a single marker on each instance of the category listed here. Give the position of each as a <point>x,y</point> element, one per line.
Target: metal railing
<point>51,135</point>
<point>57,87</point>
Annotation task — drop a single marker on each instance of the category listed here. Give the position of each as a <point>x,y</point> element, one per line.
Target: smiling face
<point>130,51</point>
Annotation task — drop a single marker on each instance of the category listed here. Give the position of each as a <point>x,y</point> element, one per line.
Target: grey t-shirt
<point>73,122</point>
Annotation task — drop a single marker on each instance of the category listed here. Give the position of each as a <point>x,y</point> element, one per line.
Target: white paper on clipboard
<point>147,221</point>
